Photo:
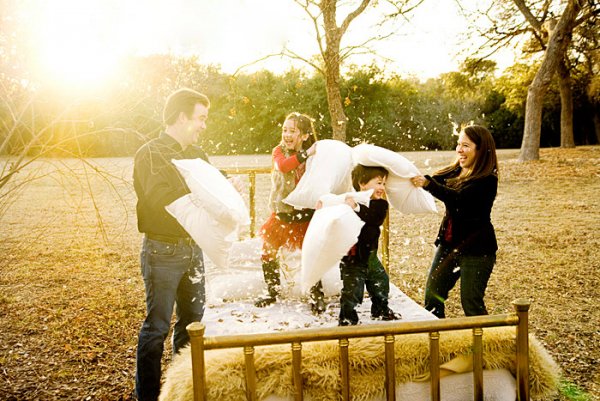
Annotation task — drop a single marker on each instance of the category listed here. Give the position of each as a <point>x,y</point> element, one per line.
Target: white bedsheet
<point>231,294</point>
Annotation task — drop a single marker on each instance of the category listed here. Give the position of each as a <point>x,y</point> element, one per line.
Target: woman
<point>466,242</point>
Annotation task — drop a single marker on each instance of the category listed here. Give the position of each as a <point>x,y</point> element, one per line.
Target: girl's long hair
<point>486,161</point>
<point>306,126</point>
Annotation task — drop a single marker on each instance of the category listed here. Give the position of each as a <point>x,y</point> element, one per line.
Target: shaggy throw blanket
<point>320,366</point>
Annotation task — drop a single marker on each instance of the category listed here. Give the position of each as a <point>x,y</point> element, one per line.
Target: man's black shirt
<point>157,184</point>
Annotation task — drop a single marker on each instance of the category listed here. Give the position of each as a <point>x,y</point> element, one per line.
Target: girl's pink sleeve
<point>283,164</point>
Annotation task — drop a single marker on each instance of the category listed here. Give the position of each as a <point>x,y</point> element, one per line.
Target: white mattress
<point>231,294</point>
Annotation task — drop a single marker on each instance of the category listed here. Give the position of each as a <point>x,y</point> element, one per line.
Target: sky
<point>76,40</point>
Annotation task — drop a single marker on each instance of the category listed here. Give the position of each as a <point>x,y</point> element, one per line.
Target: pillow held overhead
<point>401,193</point>
<point>328,171</point>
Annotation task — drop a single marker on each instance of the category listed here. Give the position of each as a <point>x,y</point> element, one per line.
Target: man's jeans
<point>173,274</point>
<point>447,267</point>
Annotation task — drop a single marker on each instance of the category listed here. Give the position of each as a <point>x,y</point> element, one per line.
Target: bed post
<point>297,370</point>
<point>434,364</point>
<point>385,242</point>
<point>250,373</point>
<point>252,196</point>
<point>196,332</point>
<point>478,364</point>
<point>345,368</point>
<point>522,308</point>
<point>390,368</point>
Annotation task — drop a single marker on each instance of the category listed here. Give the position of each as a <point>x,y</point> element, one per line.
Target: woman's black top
<point>467,225</point>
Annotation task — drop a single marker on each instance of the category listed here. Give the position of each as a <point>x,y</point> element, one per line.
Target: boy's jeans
<point>355,278</point>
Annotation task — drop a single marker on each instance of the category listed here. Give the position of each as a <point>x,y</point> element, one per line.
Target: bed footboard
<point>389,332</point>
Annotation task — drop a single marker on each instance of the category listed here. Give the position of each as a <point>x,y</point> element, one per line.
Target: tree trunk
<point>339,121</point>
<point>597,124</point>
<point>331,58</point>
<point>567,139</point>
<point>557,45</point>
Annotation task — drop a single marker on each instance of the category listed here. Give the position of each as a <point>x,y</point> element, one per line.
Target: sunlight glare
<point>74,45</point>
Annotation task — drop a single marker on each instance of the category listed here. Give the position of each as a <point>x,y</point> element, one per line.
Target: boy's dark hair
<point>363,174</point>
<point>182,101</point>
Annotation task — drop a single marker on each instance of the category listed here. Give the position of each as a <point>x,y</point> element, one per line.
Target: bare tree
<point>329,29</point>
<point>550,34</point>
<point>554,55</point>
<point>324,17</point>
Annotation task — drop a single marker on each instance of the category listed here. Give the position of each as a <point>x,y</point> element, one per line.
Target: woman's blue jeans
<point>173,275</point>
<point>447,267</point>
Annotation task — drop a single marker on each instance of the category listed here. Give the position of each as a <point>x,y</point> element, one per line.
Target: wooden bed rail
<point>200,344</point>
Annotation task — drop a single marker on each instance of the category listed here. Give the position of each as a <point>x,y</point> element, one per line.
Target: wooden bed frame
<point>389,332</point>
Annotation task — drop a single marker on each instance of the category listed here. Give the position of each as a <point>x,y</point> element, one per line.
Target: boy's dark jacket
<point>368,239</point>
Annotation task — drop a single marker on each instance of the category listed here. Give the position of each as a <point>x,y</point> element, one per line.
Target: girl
<point>466,242</point>
<point>287,226</point>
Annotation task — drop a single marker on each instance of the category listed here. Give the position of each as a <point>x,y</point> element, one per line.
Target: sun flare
<point>74,44</point>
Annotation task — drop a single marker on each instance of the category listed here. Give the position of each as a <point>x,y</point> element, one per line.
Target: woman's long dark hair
<point>305,125</point>
<point>486,161</point>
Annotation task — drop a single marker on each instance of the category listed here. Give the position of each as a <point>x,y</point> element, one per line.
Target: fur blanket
<point>320,367</point>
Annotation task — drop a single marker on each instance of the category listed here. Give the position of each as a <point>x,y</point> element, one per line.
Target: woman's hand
<point>419,181</point>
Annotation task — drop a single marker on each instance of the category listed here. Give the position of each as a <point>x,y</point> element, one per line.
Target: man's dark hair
<point>182,101</point>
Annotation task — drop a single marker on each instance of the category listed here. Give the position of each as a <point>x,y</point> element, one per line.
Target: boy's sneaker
<point>387,315</point>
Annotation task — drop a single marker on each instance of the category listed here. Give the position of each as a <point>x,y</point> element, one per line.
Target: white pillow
<point>330,235</point>
<point>328,171</point>
<point>401,193</point>
<point>214,237</point>
<point>216,194</point>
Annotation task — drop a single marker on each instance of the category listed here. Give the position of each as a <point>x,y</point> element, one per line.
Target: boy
<point>361,266</point>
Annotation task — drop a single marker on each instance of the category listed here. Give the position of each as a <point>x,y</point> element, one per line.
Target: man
<point>172,264</point>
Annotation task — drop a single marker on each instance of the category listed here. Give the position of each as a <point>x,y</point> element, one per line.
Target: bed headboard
<point>390,332</point>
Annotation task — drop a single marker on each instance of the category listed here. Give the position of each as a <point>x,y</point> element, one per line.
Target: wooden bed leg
<point>250,374</point>
<point>385,242</point>
<point>522,309</point>
<point>196,332</point>
<point>297,370</point>
<point>345,368</point>
<point>390,368</point>
<point>478,364</point>
<point>434,364</point>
